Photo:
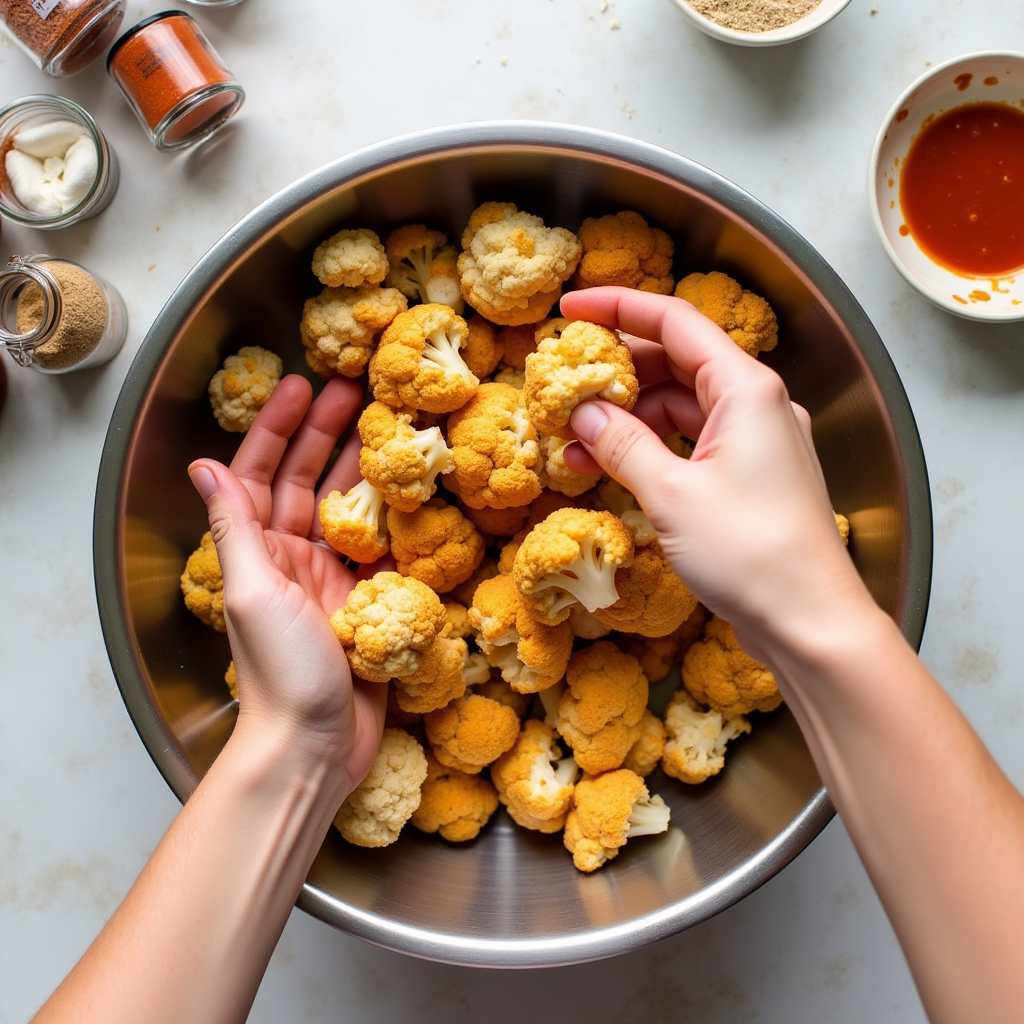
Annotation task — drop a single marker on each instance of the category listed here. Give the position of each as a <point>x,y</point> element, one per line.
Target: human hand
<point>281,582</point>
<point>746,521</point>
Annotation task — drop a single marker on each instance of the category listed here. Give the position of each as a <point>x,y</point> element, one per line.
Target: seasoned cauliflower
<point>353,523</point>
<point>622,249</point>
<point>202,584</point>
<point>484,346</point>
<point>402,462</point>
<point>422,267</point>
<point>517,342</point>
<point>512,266</point>
<point>744,316</point>
<point>241,387</point>
<point>340,326</point>
<point>571,558</point>
<point>696,740</point>
<point>719,673</point>
<point>601,708</point>
<point>454,804</point>
<point>387,623</point>
<point>439,679</point>
<point>660,654</point>
<point>843,526</point>
<point>606,811</point>
<point>417,363</point>
<point>557,476</point>
<point>494,449</point>
<point>585,361</point>
<point>645,755</point>
<point>436,544</point>
<point>497,522</point>
<point>471,732</point>
<point>350,258</point>
<point>378,808</point>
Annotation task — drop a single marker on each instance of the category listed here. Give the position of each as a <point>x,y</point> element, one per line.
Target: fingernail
<point>588,419</point>
<point>203,481</point>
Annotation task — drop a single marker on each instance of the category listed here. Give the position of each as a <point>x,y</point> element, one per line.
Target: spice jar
<point>62,36</point>
<point>213,3</point>
<point>177,85</point>
<point>56,316</point>
<point>56,167</point>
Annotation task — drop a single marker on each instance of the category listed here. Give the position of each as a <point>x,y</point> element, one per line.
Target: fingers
<point>669,407</point>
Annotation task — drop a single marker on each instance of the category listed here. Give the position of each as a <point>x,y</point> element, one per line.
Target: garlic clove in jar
<point>51,167</point>
<point>28,182</point>
<point>81,165</point>
<point>51,139</point>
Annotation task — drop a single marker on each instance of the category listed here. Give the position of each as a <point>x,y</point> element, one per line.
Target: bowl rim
<point>206,275</point>
<point>799,29</point>
<point>979,313</point>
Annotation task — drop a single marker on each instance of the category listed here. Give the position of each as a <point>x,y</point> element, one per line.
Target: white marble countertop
<point>82,804</point>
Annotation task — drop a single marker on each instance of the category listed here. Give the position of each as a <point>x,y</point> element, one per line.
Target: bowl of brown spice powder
<point>760,22</point>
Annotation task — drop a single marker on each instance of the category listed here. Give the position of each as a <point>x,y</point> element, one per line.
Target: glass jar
<point>38,129</point>
<point>213,3</point>
<point>56,316</point>
<point>174,80</point>
<point>62,36</point>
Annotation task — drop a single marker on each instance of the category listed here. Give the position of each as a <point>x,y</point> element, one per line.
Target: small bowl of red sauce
<point>946,185</point>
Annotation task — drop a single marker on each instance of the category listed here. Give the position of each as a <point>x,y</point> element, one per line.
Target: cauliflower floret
<point>585,361</point>
<point>512,266</point>
<point>660,654</point>
<point>471,732</point>
<point>517,342</point>
<point>586,626</point>
<point>535,779</point>
<point>376,810</point>
<point>241,387</point>
<point>606,811</point>
<point>601,708</point>
<point>484,346</point>
<point>494,448</point>
<point>557,476</point>
<point>436,544</point>
<point>439,679</point>
<point>477,671</point>
<point>399,460</point>
<point>645,755</point>
<point>454,804</point>
<point>350,258</point>
<point>417,363</point>
<point>497,689</point>
<point>695,748</point>
<point>231,678</point>
<point>202,584</point>
<point>744,316</point>
<point>352,522</point>
<point>531,655</point>
<point>719,673</point>
<point>464,592</point>
<point>340,326</point>
<point>571,558</point>
<point>386,625</point>
<point>422,267</point>
<point>843,526</point>
<point>622,249</point>
<point>497,522</point>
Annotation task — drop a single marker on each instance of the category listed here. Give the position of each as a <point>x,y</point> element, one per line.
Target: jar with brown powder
<point>56,316</point>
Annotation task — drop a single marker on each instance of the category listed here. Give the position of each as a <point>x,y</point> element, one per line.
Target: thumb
<point>624,447</point>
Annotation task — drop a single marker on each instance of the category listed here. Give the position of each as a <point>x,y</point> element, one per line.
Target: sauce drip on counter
<point>962,189</point>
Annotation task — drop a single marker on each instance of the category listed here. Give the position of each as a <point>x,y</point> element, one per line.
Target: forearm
<point>939,827</point>
<point>192,938</point>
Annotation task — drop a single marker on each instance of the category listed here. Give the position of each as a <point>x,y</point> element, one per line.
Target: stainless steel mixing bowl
<point>511,898</point>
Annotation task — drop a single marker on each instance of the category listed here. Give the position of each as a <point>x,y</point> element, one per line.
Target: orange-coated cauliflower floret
<point>696,740</point>
<point>557,476</point>
<point>399,460</point>
<point>340,326</point>
<point>584,361</point>
<point>744,316</point>
<point>387,623</point>
<point>622,249</point>
<point>471,732</point>
<point>606,811</point>
<point>241,387</point>
<point>353,523</point>
<point>571,558</point>
<point>660,654</point>
<point>422,267</point>
<point>497,522</point>
<point>418,364</point>
<point>494,449</point>
<point>497,689</point>
<point>601,708</point>
<point>843,526</point>
<point>454,804</point>
<point>349,258</point>
<point>645,755</point>
<point>484,346</point>
<point>436,544</point>
<point>439,679</point>
<point>202,584</point>
<point>719,673</point>
<point>512,266</point>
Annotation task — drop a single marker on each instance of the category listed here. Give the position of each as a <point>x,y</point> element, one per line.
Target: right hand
<point>746,521</point>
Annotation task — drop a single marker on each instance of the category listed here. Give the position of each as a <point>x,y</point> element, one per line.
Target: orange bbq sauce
<point>962,189</point>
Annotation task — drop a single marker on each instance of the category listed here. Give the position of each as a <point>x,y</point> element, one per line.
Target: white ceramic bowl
<point>989,76</point>
<point>821,15</point>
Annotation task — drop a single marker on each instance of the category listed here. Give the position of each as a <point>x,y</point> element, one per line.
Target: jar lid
<point>121,40</point>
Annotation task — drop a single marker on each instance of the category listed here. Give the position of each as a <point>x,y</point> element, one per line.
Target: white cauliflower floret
<point>241,387</point>
<point>350,258</point>
<point>376,810</point>
<point>422,267</point>
<point>557,476</point>
<point>696,740</point>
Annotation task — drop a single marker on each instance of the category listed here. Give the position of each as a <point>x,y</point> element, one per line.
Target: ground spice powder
<point>753,15</point>
<point>66,36</point>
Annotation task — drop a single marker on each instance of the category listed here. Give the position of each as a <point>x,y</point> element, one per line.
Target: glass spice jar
<point>56,316</point>
<point>174,80</point>
<point>56,167</point>
<point>62,36</point>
